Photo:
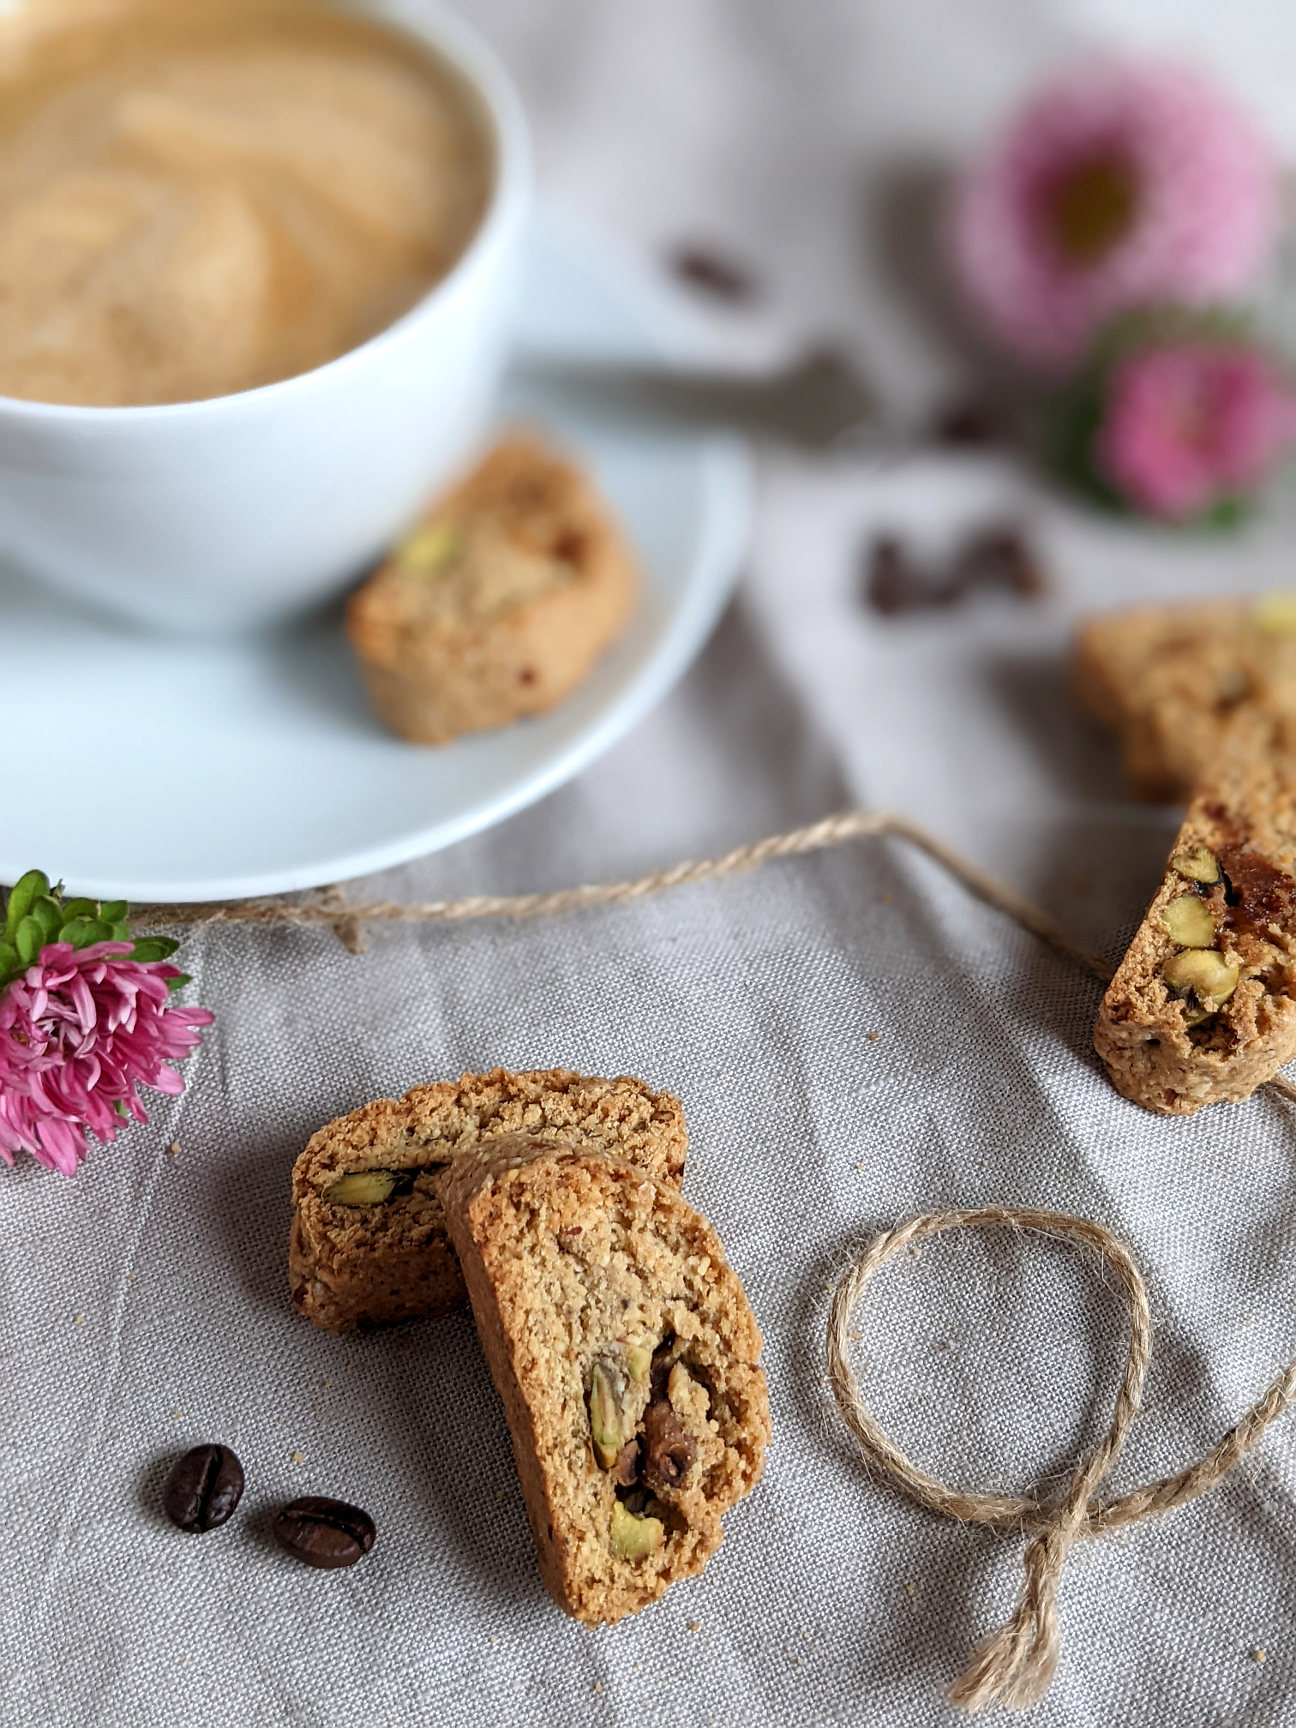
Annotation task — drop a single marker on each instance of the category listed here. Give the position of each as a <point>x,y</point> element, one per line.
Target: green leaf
<point>24,891</point>
<point>85,932</point>
<point>49,915</point>
<point>179,981</point>
<point>29,939</point>
<point>10,963</point>
<point>121,931</point>
<point>154,948</point>
<point>114,912</point>
<point>80,909</point>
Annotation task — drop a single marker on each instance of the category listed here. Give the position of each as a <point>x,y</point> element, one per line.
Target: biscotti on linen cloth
<point>628,1360</point>
<point>1203,1007</point>
<point>499,605</point>
<point>1170,678</point>
<point>368,1241</point>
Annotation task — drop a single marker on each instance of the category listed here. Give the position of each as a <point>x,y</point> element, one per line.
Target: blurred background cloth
<point>807,142</point>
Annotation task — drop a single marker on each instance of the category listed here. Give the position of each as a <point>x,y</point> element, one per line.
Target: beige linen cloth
<point>853,1038</point>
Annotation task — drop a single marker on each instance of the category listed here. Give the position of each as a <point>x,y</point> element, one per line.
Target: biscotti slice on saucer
<point>628,1360</point>
<point>1169,679</point>
<point>1203,1007</point>
<point>499,605</point>
<point>368,1242</point>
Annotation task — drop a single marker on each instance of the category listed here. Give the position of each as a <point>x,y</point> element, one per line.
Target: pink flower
<point>1116,187</point>
<point>79,1030</point>
<point>1189,425</point>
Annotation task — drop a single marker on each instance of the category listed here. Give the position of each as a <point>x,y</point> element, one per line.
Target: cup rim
<point>470,55</point>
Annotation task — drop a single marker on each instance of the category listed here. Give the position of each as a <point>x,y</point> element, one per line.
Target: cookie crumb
<point>598,1685</point>
<point>78,1319</point>
<point>915,1253</point>
<point>695,1625</point>
<point>174,1148</point>
<point>873,1037</point>
<point>299,1457</point>
<point>1258,1655</point>
<point>177,1412</point>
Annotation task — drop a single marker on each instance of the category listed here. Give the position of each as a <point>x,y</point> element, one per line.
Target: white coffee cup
<point>244,511</point>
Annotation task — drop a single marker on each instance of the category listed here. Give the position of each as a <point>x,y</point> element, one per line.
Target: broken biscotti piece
<point>368,1243</point>
<point>1169,679</point>
<point>1203,1006</point>
<point>628,1360</point>
<point>499,605</point>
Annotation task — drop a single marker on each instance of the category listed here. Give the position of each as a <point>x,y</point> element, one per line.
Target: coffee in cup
<point>200,198</point>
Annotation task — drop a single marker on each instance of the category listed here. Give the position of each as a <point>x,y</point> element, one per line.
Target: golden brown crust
<point>1244,815</point>
<point>361,1266</point>
<point>570,1256</point>
<point>539,581</point>
<point>1169,679</point>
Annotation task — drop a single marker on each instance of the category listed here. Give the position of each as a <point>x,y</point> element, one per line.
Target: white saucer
<point>151,769</point>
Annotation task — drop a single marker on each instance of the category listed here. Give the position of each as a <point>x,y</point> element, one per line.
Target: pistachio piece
<point>362,1188</point>
<point>430,549</point>
<point>639,1361</point>
<point>1275,613</point>
<point>1197,864</point>
<point>1189,922</point>
<point>608,1425</point>
<point>634,1538</point>
<point>1204,973</point>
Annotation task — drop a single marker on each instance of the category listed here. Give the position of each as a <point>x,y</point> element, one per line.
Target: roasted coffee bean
<point>714,273</point>
<point>203,1489</point>
<point>891,582</point>
<point>967,425</point>
<point>324,1533</point>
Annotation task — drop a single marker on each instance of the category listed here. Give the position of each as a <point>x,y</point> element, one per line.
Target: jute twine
<point>330,909</point>
<point>1015,1665</point>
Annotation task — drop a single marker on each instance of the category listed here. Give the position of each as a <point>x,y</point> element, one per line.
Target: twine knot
<point>1015,1665</point>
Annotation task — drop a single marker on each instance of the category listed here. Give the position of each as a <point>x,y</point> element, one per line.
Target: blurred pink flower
<point>1116,187</point>
<point>79,1030</point>
<point>1189,425</point>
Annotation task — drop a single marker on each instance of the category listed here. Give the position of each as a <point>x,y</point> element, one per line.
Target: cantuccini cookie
<point>1169,679</point>
<point>1203,1007</point>
<point>368,1243</point>
<point>627,1358</point>
<point>499,605</point>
